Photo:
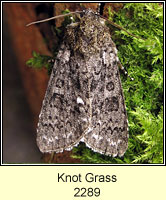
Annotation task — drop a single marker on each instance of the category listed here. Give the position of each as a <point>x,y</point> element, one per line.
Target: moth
<point>84,100</point>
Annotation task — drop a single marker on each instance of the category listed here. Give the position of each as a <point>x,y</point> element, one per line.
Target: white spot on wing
<point>104,57</point>
<point>102,21</point>
<point>50,139</point>
<point>99,122</point>
<point>79,100</point>
<point>89,130</point>
<point>115,50</point>
<point>95,136</point>
<point>113,143</point>
<point>119,141</point>
<point>69,134</point>
<point>84,119</point>
<point>112,56</point>
<point>61,150</point>
<point>68,149</point>
<point>117,59</point>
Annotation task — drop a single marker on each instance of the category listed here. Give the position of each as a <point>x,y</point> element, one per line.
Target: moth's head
<point>88,35</point>
<point>89,13</point>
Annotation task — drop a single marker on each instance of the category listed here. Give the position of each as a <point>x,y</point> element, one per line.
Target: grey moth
<point>84,100</point>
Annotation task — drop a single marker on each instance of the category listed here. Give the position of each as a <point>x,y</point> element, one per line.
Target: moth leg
<point>124,71</point>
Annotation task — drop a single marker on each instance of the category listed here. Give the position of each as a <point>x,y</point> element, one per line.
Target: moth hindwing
<point>84,99</point>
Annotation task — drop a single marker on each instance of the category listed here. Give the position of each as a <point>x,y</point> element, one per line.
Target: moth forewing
<point>84,100</point>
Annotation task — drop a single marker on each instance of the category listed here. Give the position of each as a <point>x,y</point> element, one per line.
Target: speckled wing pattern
<point>84,99</point>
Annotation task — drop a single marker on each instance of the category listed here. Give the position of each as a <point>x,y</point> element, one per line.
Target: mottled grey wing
<point>63,118</point>
<point>108,133</point>
<point>84,99</point>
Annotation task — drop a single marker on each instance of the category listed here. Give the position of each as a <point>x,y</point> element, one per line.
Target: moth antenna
<point>55,17</point>
<point>101,8</point>
<point>117,26</point>
<point>98,8</point>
